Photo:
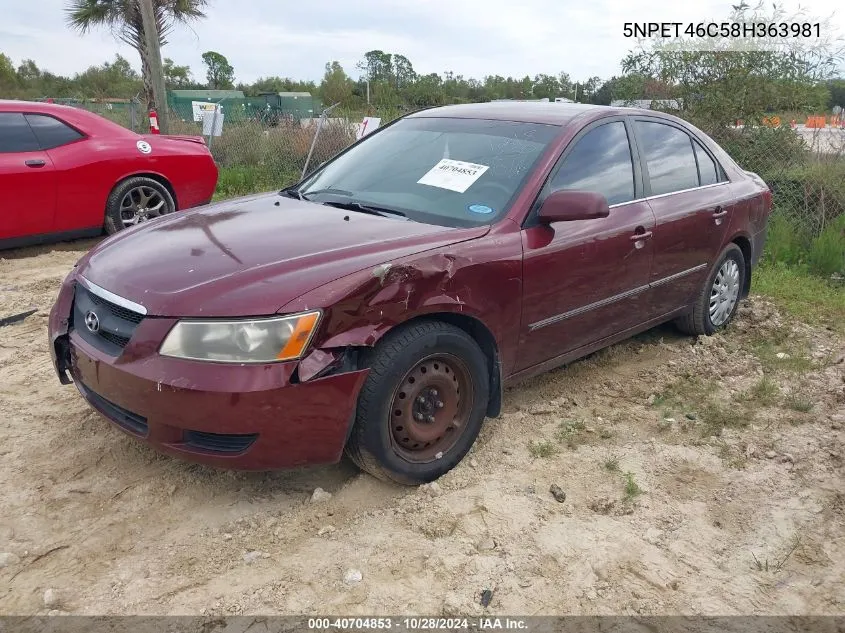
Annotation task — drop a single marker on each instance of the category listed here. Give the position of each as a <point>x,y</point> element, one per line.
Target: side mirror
<point>567,205</point>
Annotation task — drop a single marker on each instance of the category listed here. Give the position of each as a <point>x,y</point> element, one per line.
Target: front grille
<point>219,443</point>
<point>118,311</point>
<point>114,339</point>
<point>130,421</point>
<point>116,323</point>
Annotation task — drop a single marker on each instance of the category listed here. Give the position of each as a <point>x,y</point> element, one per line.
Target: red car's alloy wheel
<point>141,204</point>
<point>431,407</point>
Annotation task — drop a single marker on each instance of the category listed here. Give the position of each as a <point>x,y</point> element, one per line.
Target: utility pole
<point>156,71</point>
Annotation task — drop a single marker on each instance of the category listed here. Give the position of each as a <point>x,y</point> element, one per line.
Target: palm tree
<point>123,18</point>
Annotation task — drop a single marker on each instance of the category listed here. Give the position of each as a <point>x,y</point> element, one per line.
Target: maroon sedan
<point>380,306</point>
<point>67,173</point>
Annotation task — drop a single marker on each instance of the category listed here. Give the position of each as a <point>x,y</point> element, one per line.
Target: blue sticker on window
<point>480,208</point>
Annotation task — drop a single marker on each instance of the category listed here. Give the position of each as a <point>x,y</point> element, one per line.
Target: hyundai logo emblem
<point>92,322</point>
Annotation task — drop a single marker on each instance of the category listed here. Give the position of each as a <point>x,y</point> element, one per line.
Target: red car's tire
<point>136,200</point>
<point>422,405</point>
<point>729,271</point>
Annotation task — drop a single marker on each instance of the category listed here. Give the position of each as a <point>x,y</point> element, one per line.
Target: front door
<point>585,280</point>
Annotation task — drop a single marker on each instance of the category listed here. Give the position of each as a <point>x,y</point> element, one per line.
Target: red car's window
<point>669,157</point>
<point>51,132</point>
<point>15,134</point>
<point>601,162</point>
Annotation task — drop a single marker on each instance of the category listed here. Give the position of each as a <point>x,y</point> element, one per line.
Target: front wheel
<point>136,200</point>
<point>718,301</point>
<point>422,405</point>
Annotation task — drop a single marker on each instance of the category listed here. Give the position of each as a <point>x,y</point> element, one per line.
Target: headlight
<point>247,341</point>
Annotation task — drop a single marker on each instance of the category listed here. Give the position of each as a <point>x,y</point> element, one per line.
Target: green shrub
<point>241,181</point>
<point>827,252</point>
<point>239,146</point>
<point>787,240</point>
<point>814,192</point>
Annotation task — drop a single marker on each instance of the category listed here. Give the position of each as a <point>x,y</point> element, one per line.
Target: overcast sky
<point>296,38</point>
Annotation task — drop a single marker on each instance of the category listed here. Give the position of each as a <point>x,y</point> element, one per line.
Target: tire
<point>699,321</point>
<point>410,363</point>
<point>114,220</point>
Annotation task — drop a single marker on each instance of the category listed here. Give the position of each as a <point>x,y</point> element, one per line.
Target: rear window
<point>453,172</point>
<point>51,132</point>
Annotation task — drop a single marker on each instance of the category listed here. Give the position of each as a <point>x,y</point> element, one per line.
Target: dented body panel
<point>482,281</point>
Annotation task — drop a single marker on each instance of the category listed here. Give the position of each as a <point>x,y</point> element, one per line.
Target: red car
<point>381,305</point>
<point>67,173</point>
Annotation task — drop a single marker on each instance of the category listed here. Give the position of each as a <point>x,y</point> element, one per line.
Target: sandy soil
<point>663,514</point>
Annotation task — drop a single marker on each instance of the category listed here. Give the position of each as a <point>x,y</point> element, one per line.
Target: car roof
<point>40,106</point>
<point>89,122</point>
<point>549,113</point>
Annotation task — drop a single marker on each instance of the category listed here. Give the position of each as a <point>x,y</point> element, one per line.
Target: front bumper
<point>245,417</point>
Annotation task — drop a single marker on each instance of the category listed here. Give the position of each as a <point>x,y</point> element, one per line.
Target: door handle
<point>35,163</point>
<point>638,237</point>
<point>719,212</point>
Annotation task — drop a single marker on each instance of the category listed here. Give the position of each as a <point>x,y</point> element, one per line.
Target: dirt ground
<point>701,476</point>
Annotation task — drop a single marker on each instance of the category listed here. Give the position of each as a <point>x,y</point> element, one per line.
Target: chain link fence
<point>128,113</point>
<point>254,156</point>
<point>805,168</point>
<point>258,150</point>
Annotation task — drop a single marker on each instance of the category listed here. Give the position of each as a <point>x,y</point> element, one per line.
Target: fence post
<point>133,116</point>
<point>213,125</point>
<point>217,108</point>
<point>322,118</point>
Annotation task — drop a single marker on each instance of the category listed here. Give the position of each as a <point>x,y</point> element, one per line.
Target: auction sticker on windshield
<point>455,175</point>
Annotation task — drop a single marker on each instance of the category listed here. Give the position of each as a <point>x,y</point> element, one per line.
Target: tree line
<point>713,86</point>
<point>391,81</point>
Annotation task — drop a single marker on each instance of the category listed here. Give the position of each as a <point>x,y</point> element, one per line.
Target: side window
<point>669,155</point>
<point>51,132</point>
<point>15,134</point>
<point>707,169</point>
<point>600,161</point>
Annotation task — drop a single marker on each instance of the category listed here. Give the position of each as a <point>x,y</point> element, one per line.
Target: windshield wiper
<point>365,208</point>
<point>292,193</point>
<point>339,192</point>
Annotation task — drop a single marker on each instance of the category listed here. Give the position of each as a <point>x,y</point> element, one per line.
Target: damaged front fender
<point>478,282</point>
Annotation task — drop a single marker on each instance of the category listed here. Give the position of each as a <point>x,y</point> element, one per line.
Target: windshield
<point>452,172</point>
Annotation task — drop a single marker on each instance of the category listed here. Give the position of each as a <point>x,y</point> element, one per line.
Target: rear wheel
<point>422,405</point>
<point>718,301</point>
<point>136,200</point>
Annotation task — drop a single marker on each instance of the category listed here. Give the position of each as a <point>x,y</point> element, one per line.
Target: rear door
<point>27,181</point>
<point>691,198</point>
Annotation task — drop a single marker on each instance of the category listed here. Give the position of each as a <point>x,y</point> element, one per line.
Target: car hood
<point>250,256</point>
